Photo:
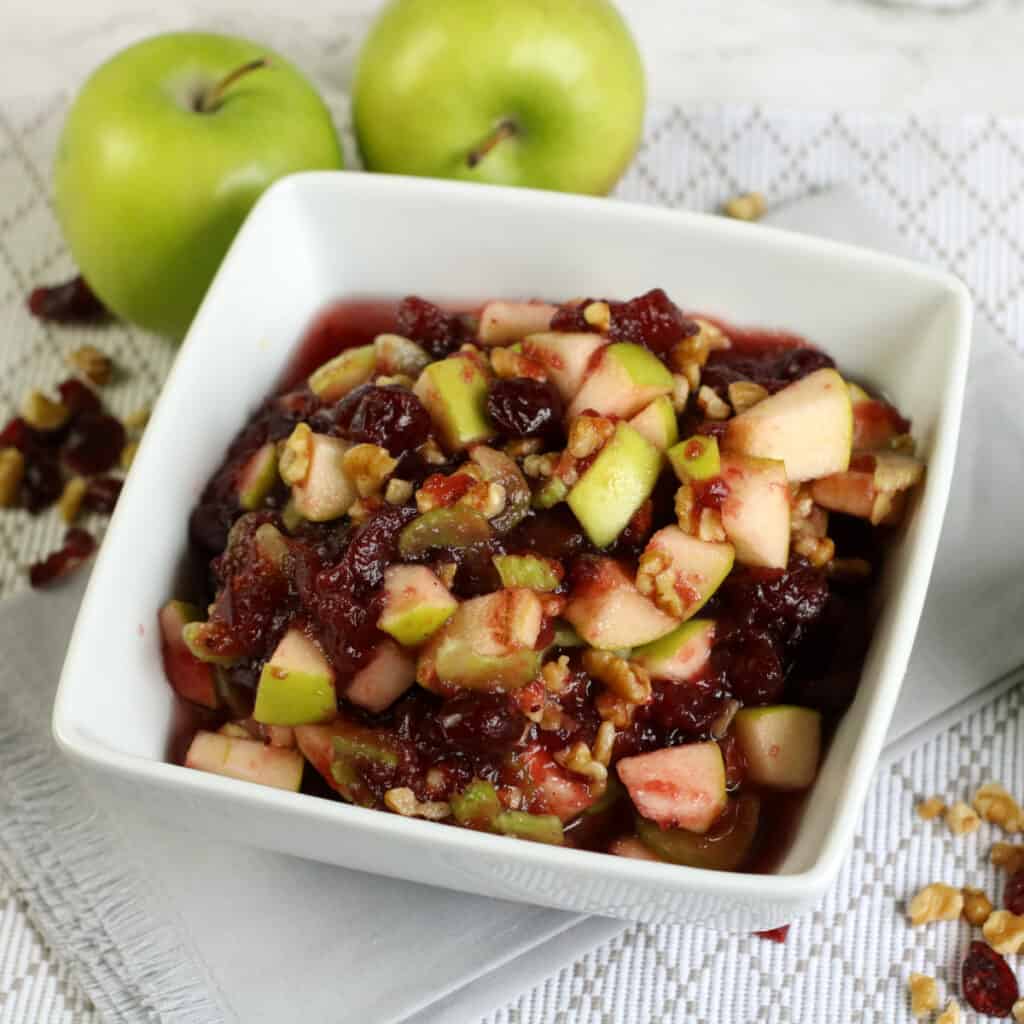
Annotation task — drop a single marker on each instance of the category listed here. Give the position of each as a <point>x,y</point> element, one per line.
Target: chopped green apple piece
<point>677,787</point>
<point>454,392</point>
<point>634,848</point>
<point>781,745</point>
<point>755,515</point>
<point>196,636</point>
<point>680,573</point>
<point>192,678</point>
<point>681,655</point>
<point>383,679</point>
<point>626,377</point>
<point>296,685</point>
<point>695,459</point>
<point>502,323</point>
<point>325,492</point>
<point>657,423</point>
<point>258,476</point>
<point>540,828</point>
<point>532,571</point>
<point>338,751</point>
<point>476,806</point>
<point>808,425</point>
<point>609,613</point>
<point>498,468</point>
<point>271,544</point>
<point>456,526</point>
<point>615,485</point>
<point>396,354</point>
<point>857,393</point>
<point>488,644</point>
<point>566,636</point>
<point>290,518</point>
<point>416,604</point>
<point>565,357</point>
<point>249,760</point>
<point>550,493</point>
<point>344,373</point>
<point>724,848</point>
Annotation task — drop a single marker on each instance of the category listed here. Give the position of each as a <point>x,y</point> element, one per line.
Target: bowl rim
<point>866,749</point>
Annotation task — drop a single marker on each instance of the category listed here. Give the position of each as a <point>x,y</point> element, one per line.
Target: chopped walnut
<point>555,674</point>
<point>598,315</point>
<point>819,551</point>
<point>44,413</point>
<point>93,364</point>
<point>507,364</point>
<point>488,500</point>
<point>432,454</point>
<point>1009,856</point>
<point>977,906</point>
<point>624,679</point>
<point>12,469</point>
<point>904,444</point>
<point>961,819</point>
<point>604,742</point>
<point>136,420</point>
<point>614,709</point>
<point>70,502</point>
<point>368,466</point>
<point>995,805</point>
<point>684,507</point>
<point>924,995</point>
<point>745,394</point>
<point>397,492</point>
<point>402,800</point>
<point>694,349</point>
<point>711,405</point>
<point>552,718</point>
<point>362,508</point>
<point>935,902</point>
<point>402,380</point>
<point>1018,1011</point>
<point>127,456</point>
<point>656,579</point>
<point>523,446</point>
<point>680,392</point>
<point>950,1015</point>
<point>540,467</point>
<point>750,206</point>
<point>588,434</point>
<point>691,371</point>
<point>721,722</point>
<point>296,452</point>
<point>931,808</point>
<point>715,337</point>
<point>1004,931</point>
<point>710,526</point>
<point>579,760</point>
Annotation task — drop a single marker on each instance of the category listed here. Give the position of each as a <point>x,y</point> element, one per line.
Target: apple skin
<point>435,77</point>
<point>150,192</point>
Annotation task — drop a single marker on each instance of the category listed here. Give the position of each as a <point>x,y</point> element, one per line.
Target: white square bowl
<point>316,238</point>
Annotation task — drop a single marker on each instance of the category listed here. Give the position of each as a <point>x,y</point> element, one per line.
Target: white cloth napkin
<point>166,926</point>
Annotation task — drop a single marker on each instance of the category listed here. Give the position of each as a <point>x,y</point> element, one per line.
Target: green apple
<point>540,828</point>
<point>532,571</point>
<point>340,749</point>
<point>681,572</point>
<point>657,422</point>
<point>296,685</point>
<point>624,380</point>
<point>565,357</point>
<point>781,745</point>
<point>756,513</point>
<point>344,373</point>
<point>416,604</point>
<point>723,850</point>
<point>249,760</point>
<point>164,151</point>
<point>257,477</point>
<point>476,806</point>
<point>387,674</point>
<point>696,458</point>
<point>192,678</point>
<point>542,93</point>
<point>680,655</point>
<point>454,392</point>
<point>325,492</point>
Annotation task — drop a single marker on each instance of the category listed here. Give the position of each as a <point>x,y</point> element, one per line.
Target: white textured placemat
<point>954,192</point>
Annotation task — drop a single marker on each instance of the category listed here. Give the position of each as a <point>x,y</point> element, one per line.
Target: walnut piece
<point>540,467</point>
<point>745,394</point>
<point>931,808</point>
<point>1004,931</point>
<point>523,446</point>
<point>136,420</point>
<point>43,413</point>
<point>749,206</point>
<point>93,364</point>
<point>819,551</point>
<point>709,527</point>
<point>1007,855</point>
<point>604,742</point>
<point>694,349</point>
<point>1018,1011</point>
<point>950,1015</point>
<point>598,315</point>
<point>368,466</point>
<point>961,819</point>
<point>721,722</point>
<point>656,580</point>
<point>555,674</point>
<point>680,392</point>
<point>70,502</point>
<point>977,906</point>
<point>507,364</point>
<point>589,434</point>
<point>402,800</point>
<point>432,454</point>
<point>711,405</point>
<point>397,492</point>
<point>625,680</point>
<point>579,760</point>
<point>127,456</point>
<point>935,902</point>
<point>995,805</point>
<point>296,452</point>
<point>924,995</point>
<point>684,507</point>
<point>615,710</point>
<point>12,469</point>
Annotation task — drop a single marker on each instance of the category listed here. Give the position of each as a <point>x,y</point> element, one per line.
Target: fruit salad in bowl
<point>595,574</point>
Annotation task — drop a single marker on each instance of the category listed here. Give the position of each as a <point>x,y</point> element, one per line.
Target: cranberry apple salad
<point>595,574</point>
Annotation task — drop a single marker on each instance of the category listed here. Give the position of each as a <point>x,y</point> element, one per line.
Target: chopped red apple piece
<point>680,656</point>
<point>808,425</point>
<point>565,357</point>
<point>677,787</point>
<point>781,745</point>
<point>416,604</point>
<point>609,612</point>
<point>396,354</point>
<point>257,477</point>
<point>551,788</point>
<point>623,380</point>
<point>383,679</point>
<point>325,492</point>
<point>679,573</point>
<point>503,323</point>
<point>191,678</point>
<point>755,514</point>
<point>249,760</point>
<point>630,846</point>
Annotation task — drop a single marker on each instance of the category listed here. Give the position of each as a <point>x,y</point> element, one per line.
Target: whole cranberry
<point>525,408</point>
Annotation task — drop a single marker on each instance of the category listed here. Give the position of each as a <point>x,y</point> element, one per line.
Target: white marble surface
<point>850,54</point>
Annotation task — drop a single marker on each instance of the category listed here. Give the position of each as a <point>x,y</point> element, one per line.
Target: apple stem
<point>504,129</point>
<point>210,100</point>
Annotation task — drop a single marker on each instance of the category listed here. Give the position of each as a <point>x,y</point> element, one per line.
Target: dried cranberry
<point>476,574</point>
<point>799,362</point>
<point>774,934</point>
<point>101,494</point>
<point>988,983</point>
<point>525,408</point>
<point>686,710</point>
<point>570,318</point>
<point>77,548</point>
<point>72,302</point>
<point>18,434</point>
<point>43,481</point>
<point>78,397</point>
<point>776,599</point>
<point>1013,894</point>
<point>440,333</point>
<point>391,417</point>
<point>652,320</point>
<point>374,547</point>
<point>749,665</point>
<point>554,534</point>
<point>488,722</point>
<point>94,443</point>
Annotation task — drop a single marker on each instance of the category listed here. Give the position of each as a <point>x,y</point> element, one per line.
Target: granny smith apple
<point>164,151</point>
<point>542,93</point>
